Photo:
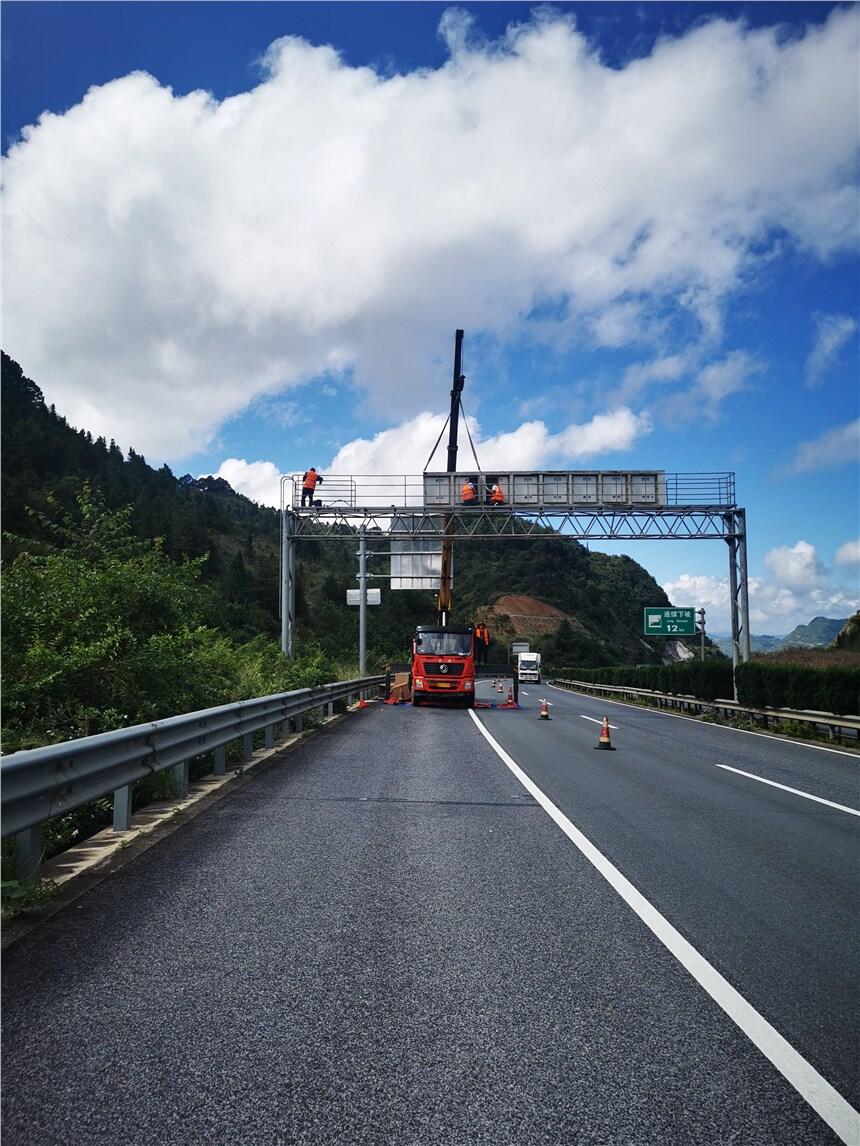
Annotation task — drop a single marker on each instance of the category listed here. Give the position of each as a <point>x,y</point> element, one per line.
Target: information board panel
<point>353,596</point>
<point>669,622</point>
<point>416,562</point>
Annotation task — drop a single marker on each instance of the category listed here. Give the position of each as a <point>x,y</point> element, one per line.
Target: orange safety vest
<point>497,497</point>
<point>311,478</point>
<point>485,634</point>
<point>468,491</point>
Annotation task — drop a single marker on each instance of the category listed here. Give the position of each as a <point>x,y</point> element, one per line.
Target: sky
<point>238,238</point>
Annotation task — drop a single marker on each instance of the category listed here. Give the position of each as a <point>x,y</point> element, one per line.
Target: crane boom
<point>443,600</point>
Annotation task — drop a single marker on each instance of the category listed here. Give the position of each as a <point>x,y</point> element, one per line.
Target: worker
<point>497,497</point>
<point>479,643</point>
<point>484,646</point>
<point>468,493</point>
<point>310,481</point>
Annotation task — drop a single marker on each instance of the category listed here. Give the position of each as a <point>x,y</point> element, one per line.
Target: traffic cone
<point>510,699</point>
<point>362,703</point>
<point>544,711</point>
<point>604,740</point>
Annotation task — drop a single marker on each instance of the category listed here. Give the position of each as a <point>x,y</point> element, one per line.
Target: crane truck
<point>443,655</point>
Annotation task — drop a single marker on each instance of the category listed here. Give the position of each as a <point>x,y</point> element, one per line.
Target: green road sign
<point>669,622</point>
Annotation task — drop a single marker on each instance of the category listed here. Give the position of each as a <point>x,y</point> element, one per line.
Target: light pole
<point>701,615</point>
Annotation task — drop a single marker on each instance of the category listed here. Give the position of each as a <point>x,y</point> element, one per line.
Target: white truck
<point>528,667</point>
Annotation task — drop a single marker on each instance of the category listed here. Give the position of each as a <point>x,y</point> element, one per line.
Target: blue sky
<point>241,252</point>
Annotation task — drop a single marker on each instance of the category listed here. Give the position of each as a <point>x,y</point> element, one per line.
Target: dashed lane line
<point>597,720</point>
<point>794,791</point>
<point>824,1099</point>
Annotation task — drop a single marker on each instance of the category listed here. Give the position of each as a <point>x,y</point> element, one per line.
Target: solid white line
<point>794,791</point>
<point>824,1099</point>
<point>597,720</point>
<point>724,727</point>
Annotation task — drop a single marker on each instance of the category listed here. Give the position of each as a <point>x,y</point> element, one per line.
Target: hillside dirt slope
<point>522,616</point>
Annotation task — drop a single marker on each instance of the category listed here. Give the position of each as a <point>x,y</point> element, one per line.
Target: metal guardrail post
<point>269,734</point>
<point>248,746</point>
<point>122,801</point>
<point>300,723</point>
<point>180,778</point>
<point>219,766</point>
<point>28,853</point>
<point>330,709</point>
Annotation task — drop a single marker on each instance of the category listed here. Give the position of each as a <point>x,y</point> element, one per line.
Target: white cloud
<point>837,447</point>
<point>798,589</point>
<point>260,481</point>
<point>831,334</point>
<point>530,446</point>
<point>169,259</point>
<point>713,384</point>
<point>849,553</point>
<point>797,566</point>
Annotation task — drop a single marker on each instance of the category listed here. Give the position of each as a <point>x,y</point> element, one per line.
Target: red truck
<point>443,665</point>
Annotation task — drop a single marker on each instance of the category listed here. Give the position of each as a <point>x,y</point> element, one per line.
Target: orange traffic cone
<point>544,711</point>
<point>604,740</point>
<point>510,699</point>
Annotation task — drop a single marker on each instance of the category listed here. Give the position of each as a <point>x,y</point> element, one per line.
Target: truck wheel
<point>469,702</point>
<point>416,701</point>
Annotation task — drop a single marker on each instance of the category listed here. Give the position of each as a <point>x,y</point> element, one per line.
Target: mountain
<point>819,633</point>
<point>758,643</point>
<point>596,600</point>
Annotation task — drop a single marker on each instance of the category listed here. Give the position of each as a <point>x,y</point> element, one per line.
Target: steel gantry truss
<point>345,519</point>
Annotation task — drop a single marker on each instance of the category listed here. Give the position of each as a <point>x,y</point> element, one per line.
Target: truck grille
<point>443,670</point>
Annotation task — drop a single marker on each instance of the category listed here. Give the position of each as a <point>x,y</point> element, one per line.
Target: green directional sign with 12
<point>670,622</point>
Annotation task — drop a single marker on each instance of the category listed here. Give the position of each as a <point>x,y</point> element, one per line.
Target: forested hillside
<point>62,487</point>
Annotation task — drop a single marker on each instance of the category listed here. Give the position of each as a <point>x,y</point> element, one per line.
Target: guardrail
<point>834,724</point>
<point>41,783</point>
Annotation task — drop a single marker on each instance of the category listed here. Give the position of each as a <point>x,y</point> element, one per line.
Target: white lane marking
<point>824,1099</point>
<point>597,720</point>
<point>794,791</point>
<point>524,693</point>
<point>725,727</point>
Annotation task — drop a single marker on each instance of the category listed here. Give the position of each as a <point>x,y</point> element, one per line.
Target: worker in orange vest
<point>310,479</point>
<point>482,641</point>
<point>497,497</point>
<point>468,493</point>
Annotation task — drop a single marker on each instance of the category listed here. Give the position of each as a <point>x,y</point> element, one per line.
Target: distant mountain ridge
<point>819,633</point>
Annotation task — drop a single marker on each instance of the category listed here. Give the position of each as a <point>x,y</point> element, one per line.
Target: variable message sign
<point>670,622</point>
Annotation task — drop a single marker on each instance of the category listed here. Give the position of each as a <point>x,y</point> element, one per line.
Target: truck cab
<point>528,667</point>
<point>443,665</point>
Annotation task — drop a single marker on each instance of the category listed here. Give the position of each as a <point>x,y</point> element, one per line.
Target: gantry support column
<point>738,589</point>
<point>362,603</point>
<point>288,582</point>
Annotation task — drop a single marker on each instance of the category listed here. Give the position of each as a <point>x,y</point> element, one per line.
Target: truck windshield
<point>444,644</point>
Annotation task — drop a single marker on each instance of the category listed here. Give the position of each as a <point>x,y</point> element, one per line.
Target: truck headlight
<point>419,682</point>
<point>467,685</point>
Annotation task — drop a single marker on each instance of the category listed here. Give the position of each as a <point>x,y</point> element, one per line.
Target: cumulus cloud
<point>797,566</point>
<point>529,446</point>
<point>849,553</point>
<point>831,334</point>
<point>169,259</point>
<point>836,447</point>
<point>797,590</point>
<point>260,481</point>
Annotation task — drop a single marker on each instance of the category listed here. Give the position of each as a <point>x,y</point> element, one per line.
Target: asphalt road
<point>385,939</point>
